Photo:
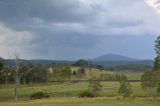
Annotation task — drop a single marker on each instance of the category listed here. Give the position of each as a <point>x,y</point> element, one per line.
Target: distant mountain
<point>114,57</point>
<point>115,63</point>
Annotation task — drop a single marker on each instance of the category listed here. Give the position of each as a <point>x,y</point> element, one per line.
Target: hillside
<point>113,57</point>
<point>115,63</point>
<point>10,62</point>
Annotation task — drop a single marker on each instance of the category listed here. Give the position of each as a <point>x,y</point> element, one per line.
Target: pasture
<point>72,101</point>
<point>110,89</point>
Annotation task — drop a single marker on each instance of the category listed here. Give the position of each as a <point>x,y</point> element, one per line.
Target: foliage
<point>130,67</point>
<point>86,94</point>
<point>39,95</point>
<point>6,75</point>
<point>81,62</point>
<point>62,73</point>
<point>80,72</point>
<point>27,74</point>
<point>110,77</point>
<point>94,86</point>
<point>1,71</point>
<point>1,64</point>
<point>35,74</point>
<point>156,66</point>
<point>147,80</point>
<point>125,87</point>
<point>158,88</point>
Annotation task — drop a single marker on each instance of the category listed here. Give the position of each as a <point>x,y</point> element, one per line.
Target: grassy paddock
<point>72,101</point>
<point>69,90</point>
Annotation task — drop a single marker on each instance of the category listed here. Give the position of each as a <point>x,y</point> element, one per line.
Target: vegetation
<point>39,95</point>
<point>86,94</point>
<point>156,67</point>
<point>125,87</point>
<point>94,86</point>
<point>130,67</point>
<point>148,81</point>
<point>110,76</point>
<point>82,102</point>
<point>82,63</point>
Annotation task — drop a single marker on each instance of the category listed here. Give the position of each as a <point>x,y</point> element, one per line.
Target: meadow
<point>110,89</point>
<point>72,101</point>
<point>66,94</point>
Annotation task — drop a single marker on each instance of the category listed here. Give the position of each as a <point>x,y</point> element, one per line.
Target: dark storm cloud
<point>66,39</point>
<point>70,25</point>
<point>18,13</point>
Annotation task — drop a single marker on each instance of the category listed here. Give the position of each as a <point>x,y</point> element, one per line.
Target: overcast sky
<point>74,29</point>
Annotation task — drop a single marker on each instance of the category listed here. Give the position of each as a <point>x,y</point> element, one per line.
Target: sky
<point>75,29</point>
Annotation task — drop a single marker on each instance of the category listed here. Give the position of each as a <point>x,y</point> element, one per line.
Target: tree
<point>80,72</point>
<point>148,81</point>
<point>34,74</point>
<point>1,64</point>
<point>1,69</point>
<point>7,74</point>
<point>94,83</point>
<point>81,62</point>
<point>16,76</point>
<point>94,86</point>
<point>156,66</point>
<point>24,70</point>
<point>125,87</point>
<point>158,88</point>
<point>63,73</point>
<point>66,72</point>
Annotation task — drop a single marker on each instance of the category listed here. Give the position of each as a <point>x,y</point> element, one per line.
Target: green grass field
<point>71,90</point>
<point>56,91</point>
<point>103,101</point>
<point>66,94</point>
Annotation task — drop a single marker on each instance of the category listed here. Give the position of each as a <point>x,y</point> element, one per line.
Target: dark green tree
<point>80,72</point>
<point>148,81</point>
<point>158,88</point>
<point>125,87</point>
<point>94,86</point>
<point>1,63</point>
<point>81,62</point>
<point>7,73</point>
<point>66,73</point>
<point>62,73</point>
<point>1,71</point>
<point>156,66</point>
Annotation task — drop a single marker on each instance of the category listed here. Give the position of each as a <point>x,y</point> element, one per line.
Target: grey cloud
<point>123,22</point>
<point>19,12</point>
<point>65,39</point>
<point>59,25</point>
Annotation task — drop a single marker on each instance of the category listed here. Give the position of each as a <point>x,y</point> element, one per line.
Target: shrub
<point>86,94</point>
<point>118,98</point>
<point>39,95</point>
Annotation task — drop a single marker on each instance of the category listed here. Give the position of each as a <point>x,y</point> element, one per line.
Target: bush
<point>86,94</point>
<point>118,98</point>
<point>39,95</point>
